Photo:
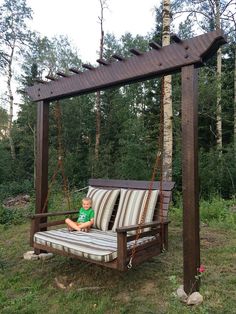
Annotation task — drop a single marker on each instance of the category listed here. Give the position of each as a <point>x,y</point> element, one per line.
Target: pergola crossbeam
<point>150,64</point>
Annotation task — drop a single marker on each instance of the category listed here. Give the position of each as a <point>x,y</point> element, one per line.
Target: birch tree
<point>103,6</point>
<point>209,15</point>
<point>167,99</point>
<point>14,35</point>
<point>218,81</point>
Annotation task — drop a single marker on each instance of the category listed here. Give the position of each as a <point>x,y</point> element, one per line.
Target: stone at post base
<point>45,256</point>
<point>30,256</point>
<point>181,294</point>
<point>195,299</point>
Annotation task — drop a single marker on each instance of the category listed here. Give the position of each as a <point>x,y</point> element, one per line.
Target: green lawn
<point>54,286</point>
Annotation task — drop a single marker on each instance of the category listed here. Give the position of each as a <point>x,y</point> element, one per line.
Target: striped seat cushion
<point>95,245</point>
<point>131,207</point>
<point>103,202</point>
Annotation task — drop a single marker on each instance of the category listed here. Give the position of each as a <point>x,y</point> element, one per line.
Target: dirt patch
<point>123,297</point>
<point>213,239</point>
<point>147,288</point>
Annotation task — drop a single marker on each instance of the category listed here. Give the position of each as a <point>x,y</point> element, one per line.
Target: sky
<point>78,19</point>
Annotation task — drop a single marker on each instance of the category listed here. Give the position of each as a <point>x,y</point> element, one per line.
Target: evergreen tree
<point>14,35</point>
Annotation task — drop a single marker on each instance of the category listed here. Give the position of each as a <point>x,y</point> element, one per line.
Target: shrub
<point>216,211</point>
<point>14,188</point>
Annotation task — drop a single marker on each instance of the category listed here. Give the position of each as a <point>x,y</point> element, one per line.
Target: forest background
<point>129,117</point>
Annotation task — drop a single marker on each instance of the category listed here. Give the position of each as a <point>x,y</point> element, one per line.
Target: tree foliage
<point>130,120</point>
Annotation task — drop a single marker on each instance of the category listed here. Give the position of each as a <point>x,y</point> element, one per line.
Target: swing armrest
<point>123,238</point>
<point>39,221</point>
<point>53,214</point>
<point>145,225</point>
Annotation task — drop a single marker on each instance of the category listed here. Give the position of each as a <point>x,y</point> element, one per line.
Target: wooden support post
<point>42,158</point>
<point>191,239</point>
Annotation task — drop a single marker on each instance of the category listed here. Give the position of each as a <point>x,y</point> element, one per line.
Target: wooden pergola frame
<point>184,56</point>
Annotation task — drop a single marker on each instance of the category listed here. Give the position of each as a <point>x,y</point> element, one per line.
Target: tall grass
<point>214,212</point>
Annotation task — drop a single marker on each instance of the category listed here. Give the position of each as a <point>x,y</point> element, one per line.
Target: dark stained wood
<point>153,63</point>
<point>40,81</point>
<point>50,77</point>
<point>146,254</point>
<point>191,241</point>
<point>134,227</point>
<point>34,228</point>
<point>103,62</point>
<point>41,247</point>
<point>69,212</point>
<point>52,223</point>
<point>136,51</point>
<point>176,38</point>
<point>130,184</point>
<point>42,155</point>
<point>121,250</point>
<point>118,57</point>
<point>88,66</point>
<point>75,70</point>
<point>154,45</point>
<point>62,74</point>
<point>41,162</point>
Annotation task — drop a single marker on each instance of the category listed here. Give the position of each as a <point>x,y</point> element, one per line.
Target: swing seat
<point>118,206</point>
<point>97,245</point>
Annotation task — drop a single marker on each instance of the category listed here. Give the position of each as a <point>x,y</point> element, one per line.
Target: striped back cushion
<point>131,207</point>
<point>103,204</point>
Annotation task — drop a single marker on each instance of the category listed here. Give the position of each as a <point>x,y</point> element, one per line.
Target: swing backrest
<point>161,205</point>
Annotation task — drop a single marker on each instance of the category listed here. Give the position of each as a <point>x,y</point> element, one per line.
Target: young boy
<point>85,218</point>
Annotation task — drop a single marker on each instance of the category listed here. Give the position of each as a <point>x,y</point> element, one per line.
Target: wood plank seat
<point>118,206</point>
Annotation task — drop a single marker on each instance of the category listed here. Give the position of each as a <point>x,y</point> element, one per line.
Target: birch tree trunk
<point>98,94</point>
<point>11,102</point>
<point>167,101</point>
<point>218,87</point>
<point>235,103</point>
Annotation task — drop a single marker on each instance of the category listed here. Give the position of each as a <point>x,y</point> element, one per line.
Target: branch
<point>192,12</point>
<point>227,5</point>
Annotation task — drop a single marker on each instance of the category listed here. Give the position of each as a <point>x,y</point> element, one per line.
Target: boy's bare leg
<point>72,225</point>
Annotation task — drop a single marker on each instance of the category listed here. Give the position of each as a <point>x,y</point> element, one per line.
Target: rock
<point>45,256</point>
<point>60,284</point>
<point>17,201</point>
<point>195,299</point>
<point>181,294</point>
<point>30,256</point>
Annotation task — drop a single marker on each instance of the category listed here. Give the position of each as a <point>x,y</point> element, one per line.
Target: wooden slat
<point>52,223</point>
<point>51,214</point>
<point>135,227</point>
<point>46,248</point>
<point>130,184</point>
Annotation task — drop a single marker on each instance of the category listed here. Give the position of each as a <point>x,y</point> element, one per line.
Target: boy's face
<point>86,204</point>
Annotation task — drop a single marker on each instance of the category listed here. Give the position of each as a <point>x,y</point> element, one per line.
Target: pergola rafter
<point>183,56</point>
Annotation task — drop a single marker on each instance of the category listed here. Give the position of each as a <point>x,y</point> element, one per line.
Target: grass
<point>54,286</point>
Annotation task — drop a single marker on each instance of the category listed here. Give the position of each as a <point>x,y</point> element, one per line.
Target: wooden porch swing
<point>183,56</point>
